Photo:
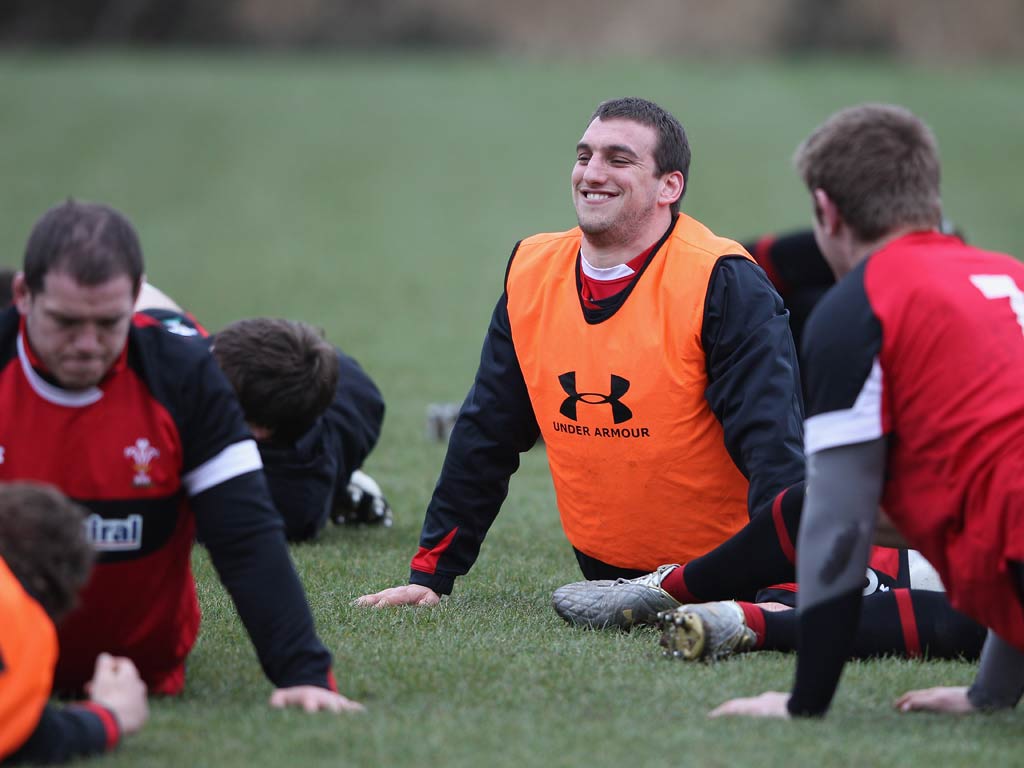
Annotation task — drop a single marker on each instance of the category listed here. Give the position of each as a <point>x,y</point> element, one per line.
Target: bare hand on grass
<point>952,700</point>
<point>313,699</point>
<point>410,594</point>
<point>768,704</point>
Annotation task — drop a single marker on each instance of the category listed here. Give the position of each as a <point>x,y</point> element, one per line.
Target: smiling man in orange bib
<point>655,359</point>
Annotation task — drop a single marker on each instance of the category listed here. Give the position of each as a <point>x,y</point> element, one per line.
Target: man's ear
<point>828,214</point>
<point>672,187</point>
<point>20,292</point>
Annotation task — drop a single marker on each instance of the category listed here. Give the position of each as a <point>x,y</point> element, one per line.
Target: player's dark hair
<point>879,163</point>
<point>43,542</point>
<point>90,242</point>
<point>672,151</point>
<point>283,371</point>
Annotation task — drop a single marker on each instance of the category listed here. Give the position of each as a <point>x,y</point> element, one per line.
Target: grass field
<point>380,198</point>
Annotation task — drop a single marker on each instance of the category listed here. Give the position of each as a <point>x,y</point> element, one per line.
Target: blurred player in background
<point>798,270</point>
<point>315,413</point>
<point>794,264</point>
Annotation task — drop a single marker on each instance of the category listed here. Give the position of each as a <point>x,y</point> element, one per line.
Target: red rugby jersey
<point>924,343</point>
<point>158,449</point>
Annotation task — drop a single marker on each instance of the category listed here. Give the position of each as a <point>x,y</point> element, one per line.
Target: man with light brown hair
<point>913,364</point>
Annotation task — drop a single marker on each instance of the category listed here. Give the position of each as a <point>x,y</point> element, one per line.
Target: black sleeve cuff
<point>824,640</point>
<point>68,733</point>
<point>440,583</point>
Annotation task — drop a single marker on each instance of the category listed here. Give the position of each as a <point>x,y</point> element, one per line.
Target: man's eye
<point>582,159</point>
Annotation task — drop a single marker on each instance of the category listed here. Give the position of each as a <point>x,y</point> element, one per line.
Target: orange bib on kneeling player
<point>638,459</point>
<point>28,653</point>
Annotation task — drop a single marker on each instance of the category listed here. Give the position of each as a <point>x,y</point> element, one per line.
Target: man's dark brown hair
<point>283,371</point>
<point>90,242</point>
<point>672,151</point>
<point>43,542</point>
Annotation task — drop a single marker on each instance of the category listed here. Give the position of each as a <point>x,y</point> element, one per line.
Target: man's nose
<point>88,339</point>
<point>596,170</point>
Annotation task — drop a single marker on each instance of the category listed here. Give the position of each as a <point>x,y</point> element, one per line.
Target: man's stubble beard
<point>607,233</point>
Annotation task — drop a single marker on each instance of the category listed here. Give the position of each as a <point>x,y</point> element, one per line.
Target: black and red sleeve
<point>63,734</point>
<point>496,424</point>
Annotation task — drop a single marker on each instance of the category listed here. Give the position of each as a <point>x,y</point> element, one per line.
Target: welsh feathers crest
<point>141,455</point>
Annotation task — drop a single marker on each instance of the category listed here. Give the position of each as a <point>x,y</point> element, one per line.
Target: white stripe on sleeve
<point>859,424</point>
<point>237,459</point>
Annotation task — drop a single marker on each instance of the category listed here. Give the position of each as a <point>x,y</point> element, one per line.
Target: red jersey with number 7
<point>924,343</point>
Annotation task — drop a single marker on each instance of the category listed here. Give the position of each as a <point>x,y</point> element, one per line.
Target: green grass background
<point>379,198</point>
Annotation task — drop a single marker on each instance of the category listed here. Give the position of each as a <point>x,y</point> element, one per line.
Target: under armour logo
<point>619,387</point>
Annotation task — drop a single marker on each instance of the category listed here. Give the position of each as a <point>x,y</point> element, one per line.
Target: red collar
<point>592,290</point>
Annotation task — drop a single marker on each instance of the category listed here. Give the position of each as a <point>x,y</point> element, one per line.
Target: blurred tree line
<point>918,29</point>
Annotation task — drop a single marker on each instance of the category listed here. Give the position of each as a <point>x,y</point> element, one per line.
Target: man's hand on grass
<point>410,594</point>
<point>313,699</point>
<point>768,704</point>
<point>951,700</point>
